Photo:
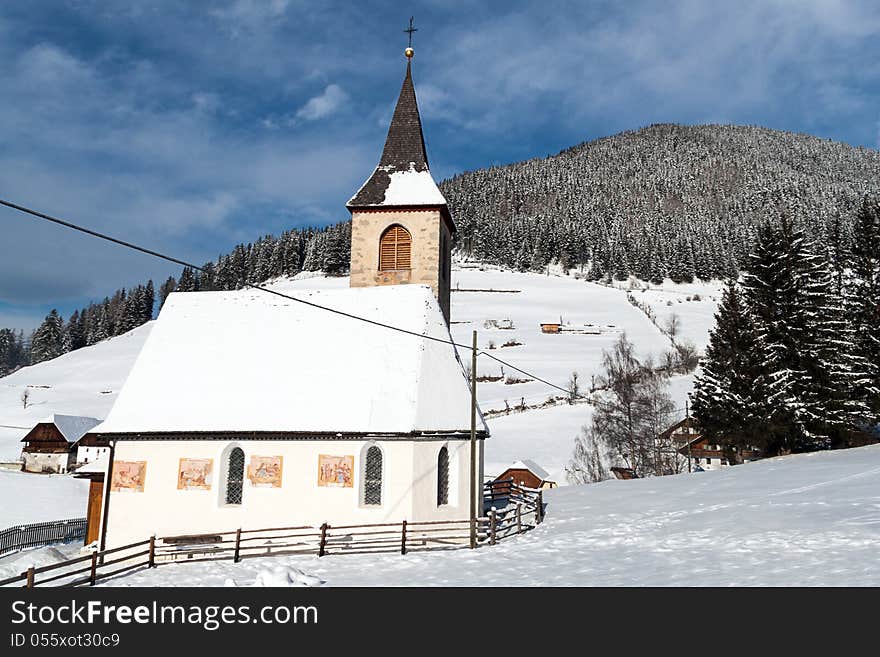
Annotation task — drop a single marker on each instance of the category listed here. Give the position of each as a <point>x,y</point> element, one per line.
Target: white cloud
<point>324,104</point>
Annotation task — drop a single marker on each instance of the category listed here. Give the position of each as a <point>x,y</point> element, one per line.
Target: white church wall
<point>409,486</point>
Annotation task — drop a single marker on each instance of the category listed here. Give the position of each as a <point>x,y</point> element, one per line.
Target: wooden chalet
<point>526,473</point>
<point>685,437</point>
<point>50,445</point>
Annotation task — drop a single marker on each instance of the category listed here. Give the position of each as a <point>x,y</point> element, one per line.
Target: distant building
<point>49,446</point>
<point>551,328</point>
<point>90,448</point>
<point>686,438</point>
<point>527,473</point>
<point>623,473</point>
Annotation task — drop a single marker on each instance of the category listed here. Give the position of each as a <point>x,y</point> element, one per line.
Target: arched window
<point>235,476</point>
<point>443,477</point>
<point>395,249</point>
<point>373,477</point>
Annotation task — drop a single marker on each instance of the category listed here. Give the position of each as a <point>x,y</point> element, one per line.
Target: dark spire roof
<point>405,144</point>
<point>404,149</point>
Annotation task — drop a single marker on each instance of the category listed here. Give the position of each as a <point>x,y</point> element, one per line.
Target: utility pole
<point>686,414</point>
<point>474,442</point>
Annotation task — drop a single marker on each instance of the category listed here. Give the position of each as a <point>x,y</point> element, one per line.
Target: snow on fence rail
<point>38,534</point>
<point>510,509</point>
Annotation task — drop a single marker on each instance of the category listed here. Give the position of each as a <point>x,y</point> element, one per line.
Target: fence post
<point>323,545</point>
<point>539,510</point>
<point>492,526</point>
<point>30,578</point>
<point>519,517</point>
<point>236,556</point>
<point>473,533</point>
<point>151,559</point>
<point>93,573</point>
<point>403,537</point>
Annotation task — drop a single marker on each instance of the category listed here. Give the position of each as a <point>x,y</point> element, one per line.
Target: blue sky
<point>190,127</point>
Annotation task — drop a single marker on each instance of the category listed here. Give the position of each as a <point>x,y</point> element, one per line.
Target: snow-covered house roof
<point>403,177</point>
<point>72,427</point>
<point>531,466</point>
<point>249,361</point>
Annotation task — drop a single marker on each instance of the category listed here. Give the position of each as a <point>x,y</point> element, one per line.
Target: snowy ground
<point>695,305</point>
<point>37,497</point>
<point>805,520</point>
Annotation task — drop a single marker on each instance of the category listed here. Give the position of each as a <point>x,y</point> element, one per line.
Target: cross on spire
<point>410,31</point>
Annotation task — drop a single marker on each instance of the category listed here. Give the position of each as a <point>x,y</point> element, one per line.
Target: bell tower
<point>401,228</point>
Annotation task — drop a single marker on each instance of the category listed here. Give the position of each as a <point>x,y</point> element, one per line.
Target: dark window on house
<point>395,249</point>
<point>235,476</point>
<point>443,477</point>
<point>373,477</point>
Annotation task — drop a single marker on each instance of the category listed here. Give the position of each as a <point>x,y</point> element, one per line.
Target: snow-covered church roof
<point>251,361</point>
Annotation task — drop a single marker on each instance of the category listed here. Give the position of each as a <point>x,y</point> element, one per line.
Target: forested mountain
<point>666,200</point>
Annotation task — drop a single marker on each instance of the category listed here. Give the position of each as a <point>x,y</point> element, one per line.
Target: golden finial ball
<point>409,52</point>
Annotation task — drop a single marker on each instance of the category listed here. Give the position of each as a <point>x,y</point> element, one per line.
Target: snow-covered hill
<point>86,382</point>
<point>83,382</point>
<point>804,520</point>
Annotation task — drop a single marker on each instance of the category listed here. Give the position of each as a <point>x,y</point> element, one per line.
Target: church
<point>248,410</point>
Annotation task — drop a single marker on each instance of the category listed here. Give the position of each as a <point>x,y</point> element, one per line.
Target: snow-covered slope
<point>83,382</point>
<point>804,520</point>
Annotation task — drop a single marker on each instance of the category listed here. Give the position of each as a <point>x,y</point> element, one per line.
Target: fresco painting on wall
<point>265,471</point>
<point>336,471</point>
<point>194,474</point>
<point>129,475</point>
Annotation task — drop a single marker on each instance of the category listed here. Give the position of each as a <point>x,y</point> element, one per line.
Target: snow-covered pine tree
<point>46,342</point>
<point>165,289</point>
<point>863,296</point>
<point>814,381</point>
<point>729,399</point>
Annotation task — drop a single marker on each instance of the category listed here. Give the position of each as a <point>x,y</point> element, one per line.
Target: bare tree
<point>629,415</point>
<point>25,398</point>
<point>573,387</point>
<point>673,325</point>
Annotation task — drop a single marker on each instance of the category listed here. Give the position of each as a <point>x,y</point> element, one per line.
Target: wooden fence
<point>42,533</point>
<point>510,510</point>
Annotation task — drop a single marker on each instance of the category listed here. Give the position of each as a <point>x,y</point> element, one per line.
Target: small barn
<point>527,473</point>
<point>49,446</point>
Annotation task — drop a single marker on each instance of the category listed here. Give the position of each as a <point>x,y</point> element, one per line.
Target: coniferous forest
<point>673,201</point>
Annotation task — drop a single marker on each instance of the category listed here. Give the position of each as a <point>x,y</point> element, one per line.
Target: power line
<point>184,263</point>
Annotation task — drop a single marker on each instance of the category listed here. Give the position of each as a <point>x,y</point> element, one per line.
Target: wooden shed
<point>552,327</point>
<point>527,473</point>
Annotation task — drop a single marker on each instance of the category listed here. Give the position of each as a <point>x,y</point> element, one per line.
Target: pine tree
<point>813,379</point>
<point>165,289</point>
<point>863,296</point>
<point>46,342</point>
<point>729,398</point>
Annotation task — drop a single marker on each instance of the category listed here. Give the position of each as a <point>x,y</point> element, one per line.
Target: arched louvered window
<point>373,477</point>
<point>395,249</point>
<point>235,476</point>
<point>443,477</point>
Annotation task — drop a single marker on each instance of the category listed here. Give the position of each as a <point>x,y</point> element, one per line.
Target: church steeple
<point>401,229</point>
<point>404,154</point>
